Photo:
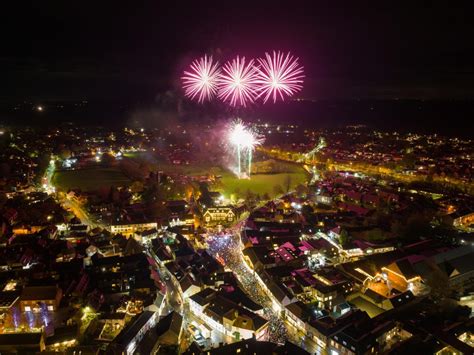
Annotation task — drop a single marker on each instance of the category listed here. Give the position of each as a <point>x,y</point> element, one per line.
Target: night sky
<point>112,50</point>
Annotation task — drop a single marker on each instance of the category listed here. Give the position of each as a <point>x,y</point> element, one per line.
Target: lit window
<point>27,309</point>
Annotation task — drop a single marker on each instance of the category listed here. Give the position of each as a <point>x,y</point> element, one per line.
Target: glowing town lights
<point>279,76</point>
<point>237,84</point>
<point>201,80</point>
<point>39,108</point>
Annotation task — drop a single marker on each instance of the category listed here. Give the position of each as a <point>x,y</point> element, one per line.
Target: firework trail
<point>236,133</point>
<point>244,139</point>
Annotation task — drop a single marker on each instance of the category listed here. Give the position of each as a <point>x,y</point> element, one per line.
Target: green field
<point>260,183</point>
<point>89,179</point>
<point>163,165</point>
<point>229,183</point>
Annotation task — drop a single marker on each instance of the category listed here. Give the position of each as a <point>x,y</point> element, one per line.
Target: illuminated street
<point>228,247</point>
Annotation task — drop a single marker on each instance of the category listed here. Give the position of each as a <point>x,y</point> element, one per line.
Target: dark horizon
<point>119,55</point>
<point>444,117</point>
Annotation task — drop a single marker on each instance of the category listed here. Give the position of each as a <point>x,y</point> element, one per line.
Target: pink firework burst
<point>238,82</point>
<point>201,81</point>
<point>279,75</point>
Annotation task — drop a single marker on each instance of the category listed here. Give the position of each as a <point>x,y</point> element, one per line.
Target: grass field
<point>89,179</point>
<point>260,183</point>
<point>169,168</point>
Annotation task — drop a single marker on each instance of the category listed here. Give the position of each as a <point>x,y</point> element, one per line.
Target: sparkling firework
<point>279,76</point>
<point>238,82</point>
<point>236,134</point>
<point>245,140</point>
<point>202,80</point>
<point>251,140</point>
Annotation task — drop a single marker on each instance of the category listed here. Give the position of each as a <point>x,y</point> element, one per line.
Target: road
<point>69,203</point>
<point>229,249</point>
<point>76,207</point>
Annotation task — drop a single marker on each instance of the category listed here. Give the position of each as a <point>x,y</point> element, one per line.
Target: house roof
<point>7,298</point>
<point>129,332</point>
<point>204,297</point>
<point>401,299</point>
<point>299,310</point>
<point>172,322</point>
<point>404,268</point>
<point>32,293</point>
<point>20,339</point>
<point>278,292</point>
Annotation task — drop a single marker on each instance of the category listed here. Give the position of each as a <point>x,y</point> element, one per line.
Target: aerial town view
<point>217,178</point>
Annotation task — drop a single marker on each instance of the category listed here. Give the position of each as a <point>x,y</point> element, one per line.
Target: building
<point>167,332</point>
<point>146,236</point>
<point>129,229</point>
<point>249,347</point>
<point>221,215</point>
<point>463,219</point>
<point>457,264</point>
<point>7,300</point>
<point>366,337</point>
<point>127,340</point>
<point>225,316</point>
<point>33,297</point>
<point>22,343</point>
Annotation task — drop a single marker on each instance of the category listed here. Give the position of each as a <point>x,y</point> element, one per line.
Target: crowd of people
<point>226,248</point>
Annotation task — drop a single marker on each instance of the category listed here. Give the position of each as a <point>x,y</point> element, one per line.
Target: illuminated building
<point>219,216</point>
<point>33,296</point>
<point>129,229</point>
<point>129,338</point>
<point>225,316</point>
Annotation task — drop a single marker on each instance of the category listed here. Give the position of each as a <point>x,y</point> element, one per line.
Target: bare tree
<point>287,183</point>
<point>278,190</point>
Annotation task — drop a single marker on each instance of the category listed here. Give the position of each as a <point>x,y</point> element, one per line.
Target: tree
<point>107,159</point>
<point>65,153</point>
<point>5,170</point>
<point>3,199</point>
<point>301,190</point>
<point>409,160</point>
<point>249,196</point>
<point>214,171</point>
<point>278,190</point>
<point>287,183</point>
<point>136,187</point>
<point>343,237</point>
<point>438,282</point>
<point>237,191</point>
<point>308,213</point>
<point>258,198</point>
